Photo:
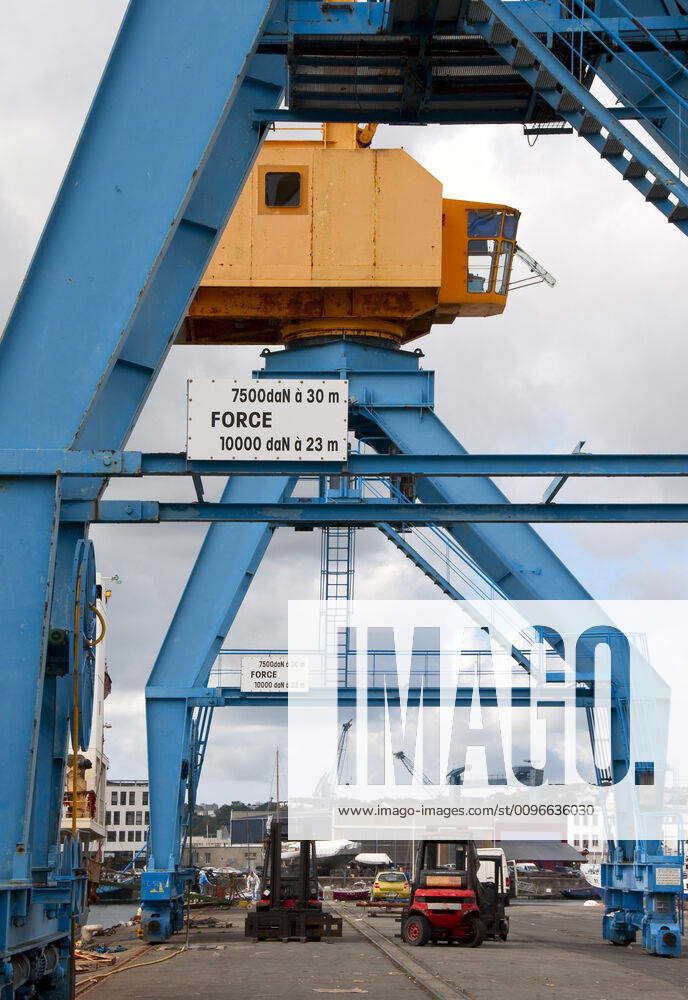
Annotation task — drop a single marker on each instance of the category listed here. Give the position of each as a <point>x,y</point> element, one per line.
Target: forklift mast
<point>433,858</point>
<point>289,908</point>
<point>300,882</point>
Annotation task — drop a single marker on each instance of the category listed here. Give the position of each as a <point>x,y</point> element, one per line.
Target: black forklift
<point>289,907</point>
<point>449,902</point>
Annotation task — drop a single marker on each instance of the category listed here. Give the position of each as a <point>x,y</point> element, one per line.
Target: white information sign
<point>269,419</point>
<point>273,673</point>
<point>668,876</point>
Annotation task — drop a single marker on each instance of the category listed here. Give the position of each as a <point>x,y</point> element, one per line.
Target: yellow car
<point>390,885</point>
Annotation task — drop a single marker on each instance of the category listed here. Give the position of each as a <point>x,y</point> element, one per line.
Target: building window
<point>137,838</point>
<point>207,857</point>
<point>129,818</point>
<point>122,798</point>
<point>108,819</point>
<point>132,798</point>
<point>122,835</point>
<point>115,818</point>
<point>147,818</point>
<point>112,836</point>
<point>113,799</point>
<point>282,189</point>
<point>144,798</point>
<point>139,818</point>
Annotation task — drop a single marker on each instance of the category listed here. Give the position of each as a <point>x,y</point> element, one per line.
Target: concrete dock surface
<point>554,950</point>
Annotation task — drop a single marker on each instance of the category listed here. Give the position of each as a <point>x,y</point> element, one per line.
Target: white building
<point>589,833</point>
<point>126,819</point>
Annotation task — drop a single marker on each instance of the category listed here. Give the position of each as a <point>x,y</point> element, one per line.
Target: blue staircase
<point>565,89</point>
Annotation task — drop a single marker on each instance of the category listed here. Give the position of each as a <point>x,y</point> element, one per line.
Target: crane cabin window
<point>282,189</point>
<point>491,236</point>
<point>504,267</point>
<point>484,222</point>
<point>481,256</point>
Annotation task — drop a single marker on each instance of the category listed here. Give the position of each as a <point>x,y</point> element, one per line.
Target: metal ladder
<point>198,744</point>
<point>500,26</point>
<point>337,563</point>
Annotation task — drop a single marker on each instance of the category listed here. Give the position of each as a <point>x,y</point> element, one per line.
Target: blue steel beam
<point>223,697</point>
<point>368,513</point>
<point>49,462</point>
<point>454,116</point>
<point>314,17</point>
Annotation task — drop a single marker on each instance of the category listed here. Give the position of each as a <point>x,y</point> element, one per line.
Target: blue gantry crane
<point>177,121</point>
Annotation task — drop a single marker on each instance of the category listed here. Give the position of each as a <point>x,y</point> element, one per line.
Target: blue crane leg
<point>226,564</point>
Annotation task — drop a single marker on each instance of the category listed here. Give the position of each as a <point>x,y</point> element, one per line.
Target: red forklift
<point>448,902</point>
<point>289,907</point>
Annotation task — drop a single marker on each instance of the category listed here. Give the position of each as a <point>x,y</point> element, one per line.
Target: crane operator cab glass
<point>491,237</point>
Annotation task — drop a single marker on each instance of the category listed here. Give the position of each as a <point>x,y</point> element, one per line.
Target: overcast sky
<point>600,357</point>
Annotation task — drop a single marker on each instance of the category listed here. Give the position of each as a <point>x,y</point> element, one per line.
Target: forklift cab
<point>443,904</point>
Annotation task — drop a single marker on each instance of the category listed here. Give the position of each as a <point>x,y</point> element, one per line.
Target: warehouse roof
<point>539,850</point>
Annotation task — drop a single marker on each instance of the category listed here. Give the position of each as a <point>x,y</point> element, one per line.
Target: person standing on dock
<point>204,883</point>
<point>253,885</point>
